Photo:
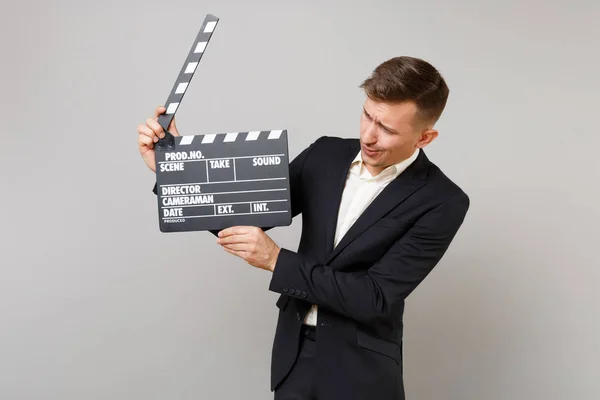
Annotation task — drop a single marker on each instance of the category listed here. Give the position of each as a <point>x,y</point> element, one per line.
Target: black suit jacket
<point>360,285</point>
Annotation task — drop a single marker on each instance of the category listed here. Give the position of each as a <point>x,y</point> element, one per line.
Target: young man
<point>377,217</point>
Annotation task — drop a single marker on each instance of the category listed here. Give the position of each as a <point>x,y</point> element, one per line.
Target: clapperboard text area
<point>213,181</point>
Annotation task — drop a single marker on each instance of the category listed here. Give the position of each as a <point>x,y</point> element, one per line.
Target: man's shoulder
<point>330,148</point>
<point>334,147</point>
<point>327,140</point>
<point>443,183</point>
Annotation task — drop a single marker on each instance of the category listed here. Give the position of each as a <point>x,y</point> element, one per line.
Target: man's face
<point>390,133</point>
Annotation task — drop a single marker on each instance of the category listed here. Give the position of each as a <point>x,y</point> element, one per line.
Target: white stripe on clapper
<point>209,138</point>
<point>191,67</point>
<point>210,26</point>
<point>186,139</point>
<point>230,137</point>
<point>275,134</point>
<point>181,87</point>
<point>200,47</point>
<point>253,135</point>
<point>172,108</point>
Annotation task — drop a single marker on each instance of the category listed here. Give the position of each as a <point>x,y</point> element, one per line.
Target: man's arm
<point>374,294</point>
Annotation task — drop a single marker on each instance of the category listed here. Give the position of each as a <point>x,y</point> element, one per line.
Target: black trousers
<point>299,383</point>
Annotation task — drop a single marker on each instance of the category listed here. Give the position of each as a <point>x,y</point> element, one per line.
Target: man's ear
<point>427,136</point>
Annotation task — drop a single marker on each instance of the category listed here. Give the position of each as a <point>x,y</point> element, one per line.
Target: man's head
<point>405,98</point>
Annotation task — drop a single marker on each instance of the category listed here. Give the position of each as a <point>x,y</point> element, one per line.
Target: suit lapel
<point>333,198</point>
<point>409,181</point>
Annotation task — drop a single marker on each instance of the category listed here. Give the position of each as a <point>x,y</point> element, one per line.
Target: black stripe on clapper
<point>185,76</point>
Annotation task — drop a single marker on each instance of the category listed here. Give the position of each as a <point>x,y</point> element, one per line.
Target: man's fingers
<point>159,110</point>
<point>227,232</point>
<point>238,230</point>
<point>236,246</point>
<point>235,230</point>
<point>144,140</point>
<point>232,239</point>
<point>145,130</point>
<point>155,126</point>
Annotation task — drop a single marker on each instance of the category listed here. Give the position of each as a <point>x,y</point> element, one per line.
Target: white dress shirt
<point>360,190</point>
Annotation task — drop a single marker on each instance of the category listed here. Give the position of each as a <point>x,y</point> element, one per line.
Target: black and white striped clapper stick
<point>214,181</point>
<point>185,76</point>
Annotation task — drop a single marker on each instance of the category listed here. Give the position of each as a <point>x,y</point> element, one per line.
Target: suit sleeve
<point>375,294</point>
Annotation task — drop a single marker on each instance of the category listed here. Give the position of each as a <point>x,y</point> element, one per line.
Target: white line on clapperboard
<point>212,183</point>
<point>239,191</point>
<point>223,204</point>
<point>226,215</point>
<point>222,158</point>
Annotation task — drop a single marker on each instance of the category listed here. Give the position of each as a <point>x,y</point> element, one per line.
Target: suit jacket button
<point>304,295</point>
<point>285,290</point>
<point>298,316</point>
<point>298,293</point>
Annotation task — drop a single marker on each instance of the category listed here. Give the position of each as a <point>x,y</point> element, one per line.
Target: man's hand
<point>149,134</point>
<point>252,244</point>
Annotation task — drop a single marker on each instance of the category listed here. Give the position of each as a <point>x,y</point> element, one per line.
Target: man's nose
<point>370,134</point>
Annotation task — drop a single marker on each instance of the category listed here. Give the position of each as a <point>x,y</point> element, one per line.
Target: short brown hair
<point>406,78</point>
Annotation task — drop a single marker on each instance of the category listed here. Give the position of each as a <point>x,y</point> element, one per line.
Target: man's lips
<point>369,151</point>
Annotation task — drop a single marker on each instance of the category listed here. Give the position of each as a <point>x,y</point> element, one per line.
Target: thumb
<point>172,126</point>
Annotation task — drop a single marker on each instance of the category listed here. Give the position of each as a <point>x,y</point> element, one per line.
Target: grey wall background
<point>96,303</point>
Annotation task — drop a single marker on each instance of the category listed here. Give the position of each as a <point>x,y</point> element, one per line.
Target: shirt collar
<point>358,167</point>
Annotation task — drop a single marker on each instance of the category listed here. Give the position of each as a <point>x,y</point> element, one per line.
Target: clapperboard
<point>214,181</point>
